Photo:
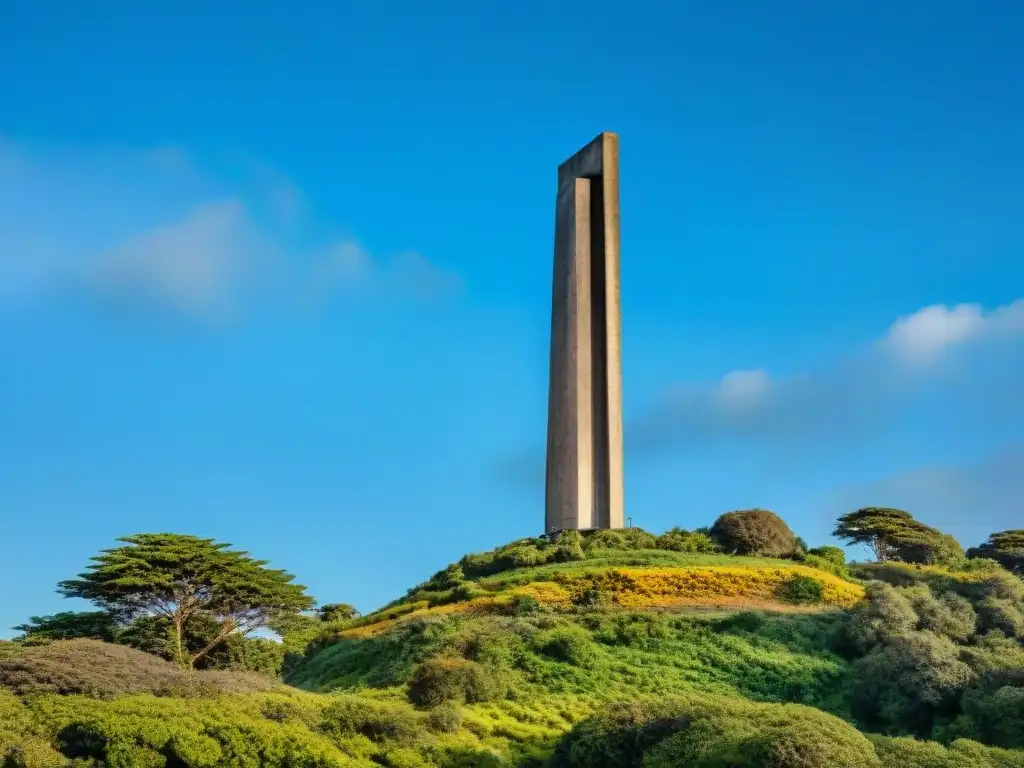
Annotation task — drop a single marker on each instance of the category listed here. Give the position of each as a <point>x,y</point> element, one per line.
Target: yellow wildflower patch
<point>705,585</point>
<point>737,587</point>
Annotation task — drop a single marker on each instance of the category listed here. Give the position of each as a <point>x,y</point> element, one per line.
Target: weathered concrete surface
<point>584,451</point>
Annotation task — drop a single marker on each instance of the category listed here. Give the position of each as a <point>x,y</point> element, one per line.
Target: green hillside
<point>611,649</point>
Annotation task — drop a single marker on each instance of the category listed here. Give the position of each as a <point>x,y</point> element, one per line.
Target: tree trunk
<point>179,639</point>
<point>226,629</point>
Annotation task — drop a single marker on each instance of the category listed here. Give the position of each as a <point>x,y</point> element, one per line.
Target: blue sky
<point>281,275</point>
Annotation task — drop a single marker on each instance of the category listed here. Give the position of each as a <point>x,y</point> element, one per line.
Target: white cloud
<point>150,229</point>
<point>743,389</point>
<point>197,266</point>
<point>926,335</point>
<point>863,394</point>
<point>348,268</point>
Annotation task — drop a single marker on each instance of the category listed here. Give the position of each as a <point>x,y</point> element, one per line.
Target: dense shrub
<point>902,752</point>
<point>23,744</point>
<point>102,670</point>
<point>437,681</point>
<point>379,721</point>
<point>565,643</point>
<point>947,614</point>
<point>491,641</point>
<point>885,613</point>
<point>753,532</point>
<point>142,731</point>
<point>716,733</point>
<point>801,590</point>
<point>679,540</point>
<point>445,718</point>
<point>384,659</point>
<point>834,555</point>
<point>908,683</point>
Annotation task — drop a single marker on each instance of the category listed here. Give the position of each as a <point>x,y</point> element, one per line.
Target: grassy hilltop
<point>610,649</point>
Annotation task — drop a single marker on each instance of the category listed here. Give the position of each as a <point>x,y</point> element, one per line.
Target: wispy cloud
<point>864,391</point>
<point>150,230</point>
<point>927,335</point>
<point>197,267</point>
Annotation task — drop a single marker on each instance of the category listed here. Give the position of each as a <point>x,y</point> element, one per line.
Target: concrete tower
<point>584,452</point>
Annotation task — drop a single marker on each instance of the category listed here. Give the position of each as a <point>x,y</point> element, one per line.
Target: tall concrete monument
<point>584,452</point>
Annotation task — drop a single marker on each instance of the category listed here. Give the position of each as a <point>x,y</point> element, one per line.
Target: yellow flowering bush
<point>710,585</point>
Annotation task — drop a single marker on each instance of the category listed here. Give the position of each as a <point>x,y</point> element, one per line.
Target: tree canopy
<point>754,532</point>
<point>183,577</point>
<point>68,625</point>
<point>1006,548</point>
<point>893,534</point>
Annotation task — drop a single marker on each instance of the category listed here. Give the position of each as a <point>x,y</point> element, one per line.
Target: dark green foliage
<point>679,540</point>
<point>754,532</point>
<point>909,683</point>
<point>637,630</point>
<point>444,718</point>
<point>1002,614</point>
<point>565,643</point>
<point>69,625</point>
<point>801,590</point>
<point>491,641</point>
<point>182,577</point>
<point>713,733</point>
<point>379,721</point>
<point>155,635</point>
<point>962,753</point>
<point>334,612</point>
<point>1006,548</point>
<point>437,681</point>
<point>892,534</point>
<point>387,659</point>
<point>565,546</point>
<point>886,613</point>
<point>947,614</point>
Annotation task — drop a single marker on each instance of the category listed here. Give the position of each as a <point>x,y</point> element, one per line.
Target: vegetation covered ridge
<point>566,651</point>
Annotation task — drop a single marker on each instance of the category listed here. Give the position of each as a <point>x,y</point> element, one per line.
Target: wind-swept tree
<point>892,534</point>
<point>183,578</point>
<point>1005,547</point>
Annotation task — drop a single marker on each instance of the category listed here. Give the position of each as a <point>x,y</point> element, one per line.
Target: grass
<point>501,668</point>
<point>603,559</point>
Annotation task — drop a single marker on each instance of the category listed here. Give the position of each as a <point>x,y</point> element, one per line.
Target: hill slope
<point>577,653</point>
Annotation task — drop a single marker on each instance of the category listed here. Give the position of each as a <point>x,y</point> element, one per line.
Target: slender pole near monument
<point>584,487</point>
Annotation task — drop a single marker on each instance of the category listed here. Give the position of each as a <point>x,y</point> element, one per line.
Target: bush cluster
<point>438,681</point>
<point>717,732</point>
<point>102,670</point>
<point>939,655</point>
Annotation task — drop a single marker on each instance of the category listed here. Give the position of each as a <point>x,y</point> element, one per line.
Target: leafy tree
<point>1006,548</point>
<point>182,578</point>
<point>336,612</point>
<point>69,625</point>
<point>754,532</point>
<point>892,534</point>
<point>874,527</point>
